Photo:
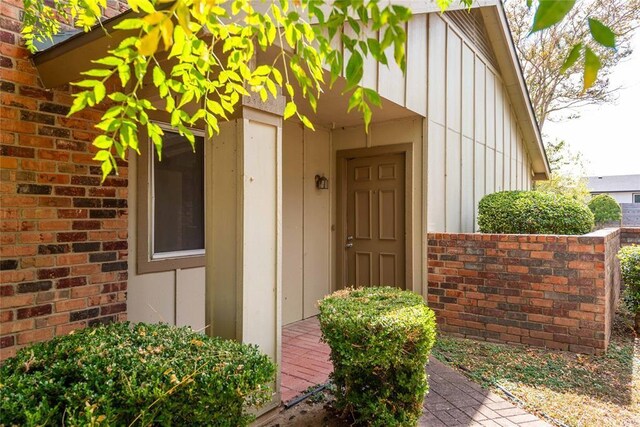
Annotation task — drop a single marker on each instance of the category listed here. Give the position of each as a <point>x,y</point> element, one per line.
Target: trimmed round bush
<point>605,209</point>
<point>380,340</point>
<point>630,271</point>
<point>145,374</point>
<point>533,212</point>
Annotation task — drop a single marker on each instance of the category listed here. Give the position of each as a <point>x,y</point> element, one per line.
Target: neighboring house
<point>457,126</point>
<point>623,188</point>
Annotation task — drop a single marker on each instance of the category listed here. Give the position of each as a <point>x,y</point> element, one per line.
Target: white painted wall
<point>306,263</point>
<point>474,144</point>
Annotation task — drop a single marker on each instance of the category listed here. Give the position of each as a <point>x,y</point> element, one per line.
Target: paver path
<point>453,400</point>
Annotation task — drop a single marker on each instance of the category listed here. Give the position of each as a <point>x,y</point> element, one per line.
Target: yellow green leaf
<point>149,44</point>
<point>591,67</point>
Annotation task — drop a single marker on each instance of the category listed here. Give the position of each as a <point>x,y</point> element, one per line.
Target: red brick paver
<point>305,360</point>
<point>453,400</point>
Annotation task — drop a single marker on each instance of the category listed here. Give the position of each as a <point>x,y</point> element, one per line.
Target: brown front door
<point>375,232</point>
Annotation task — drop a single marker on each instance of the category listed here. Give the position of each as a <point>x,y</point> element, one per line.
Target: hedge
<point>380,340</point>
<point>630,271</point>
<point>605,209</point>
<point>533,212</point>
<point>145,374</point>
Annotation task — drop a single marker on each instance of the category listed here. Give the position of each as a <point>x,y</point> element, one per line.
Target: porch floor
<point>453,400</point>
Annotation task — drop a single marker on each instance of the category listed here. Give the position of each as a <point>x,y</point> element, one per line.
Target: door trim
<point>342,156</point>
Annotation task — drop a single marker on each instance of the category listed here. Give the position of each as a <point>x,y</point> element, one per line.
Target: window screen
<point>636,198</point>
<point>178,197</point>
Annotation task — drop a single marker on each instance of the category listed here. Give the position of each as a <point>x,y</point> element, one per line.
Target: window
<point>636,198</point>
<point>171,210</point>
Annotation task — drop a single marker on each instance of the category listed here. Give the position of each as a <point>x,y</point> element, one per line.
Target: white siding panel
<point>467,193</point>
<point>480,100</point>
<point>437,69</point>
<point>491,171</point>
<point>317,158</point>
<point>454,64</point>
<point>370,72</point>
<point>491,109</point>
<point>453,196</point>
<point>435,177</point>
<point>189,298</point>
<point>508,166</point>
<point>480,176</point>
<point>292,225</point>
<point>391,80</point>
<point>499,118</point>
<point>468,94</point>
<point>499,171</point>
<point>417,64</point>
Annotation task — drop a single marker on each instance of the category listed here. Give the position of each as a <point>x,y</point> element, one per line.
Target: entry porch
<point>452,399</point>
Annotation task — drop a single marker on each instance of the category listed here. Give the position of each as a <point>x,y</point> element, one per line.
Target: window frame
<point>633,197</point>
<point>147,260</point>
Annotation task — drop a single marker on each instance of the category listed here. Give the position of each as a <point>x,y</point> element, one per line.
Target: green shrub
<point>630,271</point>
<point>533,212</point>
<point>143,375</point>
<point>380,341</point>
<point>605,209</point>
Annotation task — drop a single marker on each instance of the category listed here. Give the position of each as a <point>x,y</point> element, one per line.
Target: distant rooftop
<point>614,183</point>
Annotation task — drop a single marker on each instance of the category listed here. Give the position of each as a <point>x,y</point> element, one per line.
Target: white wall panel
<point>480,101</point>
<point>468,93</point>
<point>437,69</point>
<point>480,176</point>
<point>292,221</point>
<point>391,80</point>
<point>490,109</point>
<point>317,221</point>
<point>454,72</point>
<point>416,89</point>
<point>436,177</point>
<point>189,298</point>
<point>491,171</point>
<point>499,171</point>
<point>467,189</point>
<point>453,181</point>
<point>499,117</point>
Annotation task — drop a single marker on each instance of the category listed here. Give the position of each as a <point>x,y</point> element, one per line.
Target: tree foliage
<point>605,209</point>
<point>567,173</point>
<point>212,46</point>
<point>568,65</point>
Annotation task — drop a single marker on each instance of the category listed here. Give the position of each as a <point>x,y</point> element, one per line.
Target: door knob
<point>349,243</point>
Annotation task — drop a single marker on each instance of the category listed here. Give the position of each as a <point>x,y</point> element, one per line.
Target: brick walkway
<point>453,400</point>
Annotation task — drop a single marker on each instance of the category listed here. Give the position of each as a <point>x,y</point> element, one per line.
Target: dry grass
<point>576,390</point>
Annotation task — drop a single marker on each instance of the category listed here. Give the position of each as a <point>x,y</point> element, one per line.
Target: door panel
<point>375,239</point>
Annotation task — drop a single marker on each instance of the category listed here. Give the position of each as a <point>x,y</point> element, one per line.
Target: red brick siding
<point>63,241</point>
<point>547,291</point>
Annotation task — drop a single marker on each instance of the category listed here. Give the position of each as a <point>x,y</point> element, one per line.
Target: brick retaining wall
<point>548,291</point>
<point>629,236</point>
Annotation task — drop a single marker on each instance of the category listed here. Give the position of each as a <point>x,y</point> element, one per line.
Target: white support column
<point>244,230</point>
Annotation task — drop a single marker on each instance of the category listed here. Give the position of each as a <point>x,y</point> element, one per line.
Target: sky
<point>608,135</point>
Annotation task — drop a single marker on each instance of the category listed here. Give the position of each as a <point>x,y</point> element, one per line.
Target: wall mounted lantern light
<point>322,183</point>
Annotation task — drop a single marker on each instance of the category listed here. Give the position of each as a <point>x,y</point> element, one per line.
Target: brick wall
<point>63,253</point>
<point>548,291</point>
<point>630,236</point>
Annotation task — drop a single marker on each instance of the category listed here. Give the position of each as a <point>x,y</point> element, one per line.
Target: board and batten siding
<point>474,144</point>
